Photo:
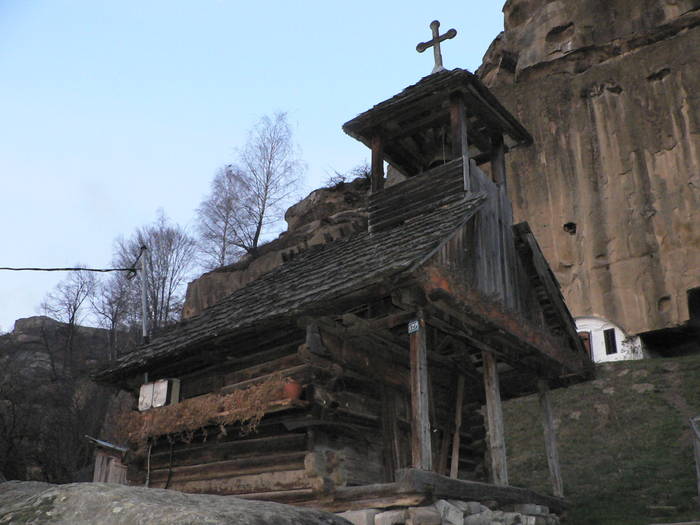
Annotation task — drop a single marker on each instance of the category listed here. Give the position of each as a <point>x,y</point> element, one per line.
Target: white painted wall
<point>627,347</point>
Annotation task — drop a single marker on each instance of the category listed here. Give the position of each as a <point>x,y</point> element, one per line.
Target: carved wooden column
<point>550,439</point>
<point>377,175</point>
<point>421,448</point>
<point>458,134</point>
<point>494,416</point>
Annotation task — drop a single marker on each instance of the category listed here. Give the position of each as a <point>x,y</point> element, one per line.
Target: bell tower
<point>448,115</point>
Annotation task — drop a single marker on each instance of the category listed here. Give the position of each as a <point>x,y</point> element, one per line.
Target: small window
<point>610,341</point>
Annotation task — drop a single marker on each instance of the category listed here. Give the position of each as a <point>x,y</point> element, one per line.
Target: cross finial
<point>435,44</point>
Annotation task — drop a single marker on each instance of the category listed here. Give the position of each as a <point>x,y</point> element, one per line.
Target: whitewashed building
<point>605,341</point>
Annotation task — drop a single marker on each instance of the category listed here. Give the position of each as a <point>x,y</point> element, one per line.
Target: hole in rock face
<point>664,304</point>
<point>560,33</point>
<point>570,228</point>
<point>659,75</point>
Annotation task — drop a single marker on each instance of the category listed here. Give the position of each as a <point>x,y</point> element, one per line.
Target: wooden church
<point>369,372</point>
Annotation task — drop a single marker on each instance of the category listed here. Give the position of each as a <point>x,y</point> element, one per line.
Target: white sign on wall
<point>159,393</point>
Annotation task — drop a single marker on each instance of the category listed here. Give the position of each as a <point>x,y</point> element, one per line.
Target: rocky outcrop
<point>325,215</point>
<point>47,401</point>
<point>88,503</point>
<point>611,187</point>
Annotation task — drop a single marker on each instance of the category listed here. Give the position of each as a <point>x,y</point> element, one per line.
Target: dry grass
<point>181,420</point>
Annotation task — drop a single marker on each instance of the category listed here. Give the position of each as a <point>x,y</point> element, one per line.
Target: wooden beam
<point>442,487</point>
<point>454,467</point>
<point>550,439</point>
<point>494,416</point>
<point>458,132</point>
<point>695,436</point>
<point>421,449</point>
<point>377,177</point>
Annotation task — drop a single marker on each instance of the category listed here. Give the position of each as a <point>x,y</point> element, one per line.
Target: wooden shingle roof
<point>320,274</point>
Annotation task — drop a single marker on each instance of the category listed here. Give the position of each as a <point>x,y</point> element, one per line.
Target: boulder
<point>108,504</point>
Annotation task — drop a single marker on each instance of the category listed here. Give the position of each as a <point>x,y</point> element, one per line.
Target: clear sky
<point>110,110</point>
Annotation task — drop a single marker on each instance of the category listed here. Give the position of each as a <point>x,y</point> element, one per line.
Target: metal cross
<point>435,44</point>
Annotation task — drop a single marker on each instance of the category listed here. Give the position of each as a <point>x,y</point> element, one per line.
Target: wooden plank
<point>458,126</point>
<point>388,422</point>
<point>460,143</point>
<point>235,467</point>
<point>202,453</point>
<point>494,413</point>
<point>696,449</point>
<point>293,496</point>
<point>421,449</point>
<point>454,466</point>
<point>550,439</point>
<point>272,481</point>
<point>498,160</point>
<point>442,487</point>
<point>377,176</point>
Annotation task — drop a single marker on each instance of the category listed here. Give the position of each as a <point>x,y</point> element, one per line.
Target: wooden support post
<point>498,160</point>
<point>695,436</point>
<point>494,416</point>
<point>377,177</point>
<point>454,466</point>
<point>389,437</point>
<point>421,449</point>
<point>550,439</point>
<point>458,134</point>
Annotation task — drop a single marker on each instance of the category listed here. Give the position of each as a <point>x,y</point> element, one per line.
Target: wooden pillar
<point>550,440</point>
<point>494,416</point>
<point>498,160</point>
<point>458,134</point>
<point>454,466</point>
<point>377,176</point>
<point>695,435</point>
<point>421,449</point>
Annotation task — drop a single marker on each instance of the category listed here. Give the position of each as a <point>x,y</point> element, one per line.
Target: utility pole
<point>144,301</point>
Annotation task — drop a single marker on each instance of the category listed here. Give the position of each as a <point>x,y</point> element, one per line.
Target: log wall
<point>352,428</point>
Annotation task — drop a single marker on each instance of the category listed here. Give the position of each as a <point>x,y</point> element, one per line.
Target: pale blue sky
<point>110,110</point>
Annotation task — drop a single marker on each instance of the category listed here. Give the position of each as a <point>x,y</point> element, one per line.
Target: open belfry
<point>368,373</point>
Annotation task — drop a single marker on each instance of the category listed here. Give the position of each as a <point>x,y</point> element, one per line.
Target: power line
<point>68,269</point>
<point>131,270</point>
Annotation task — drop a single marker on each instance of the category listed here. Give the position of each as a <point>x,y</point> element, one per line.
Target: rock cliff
<point>325,215</point>
<point>47,401</point>
<point>611,187</point>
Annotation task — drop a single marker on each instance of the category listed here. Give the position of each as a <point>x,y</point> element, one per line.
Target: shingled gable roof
<point>318,274</point>
<point>432,92</point>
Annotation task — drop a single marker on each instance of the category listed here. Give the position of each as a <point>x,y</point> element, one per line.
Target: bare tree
<point>66,305</point>
<point>112,306</point>
<point>258,187</point>
<point>222,219</point>
<point>170,258</point>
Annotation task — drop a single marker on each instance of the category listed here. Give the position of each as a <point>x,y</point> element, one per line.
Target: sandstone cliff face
<point>609,91</point>
<point>325,215</point>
